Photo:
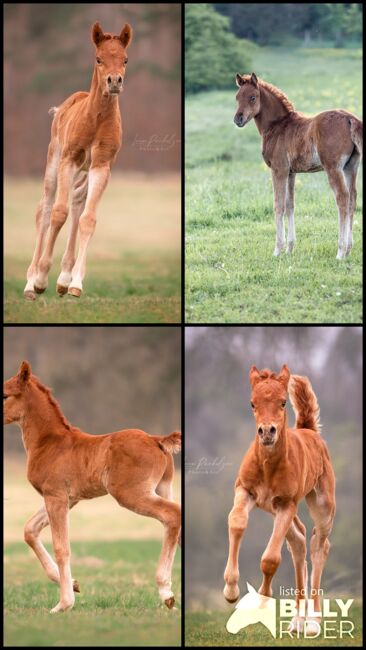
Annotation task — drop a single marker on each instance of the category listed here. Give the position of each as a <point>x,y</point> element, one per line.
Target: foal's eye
<point>6,396</point>
<point>284,404</point>
<point>252,405</point>
<point>98,61</point>
<point>125,61</point>
<point>252,98</point>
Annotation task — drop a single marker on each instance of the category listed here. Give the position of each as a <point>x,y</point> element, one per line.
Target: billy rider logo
<point>255,608</point>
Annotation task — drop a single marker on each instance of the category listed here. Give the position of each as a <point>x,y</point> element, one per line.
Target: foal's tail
<point>356,133</point>
<point>304,403</point>
<point>172,443</point>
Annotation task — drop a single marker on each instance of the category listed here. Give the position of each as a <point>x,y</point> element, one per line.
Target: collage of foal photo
<point>183,325</point>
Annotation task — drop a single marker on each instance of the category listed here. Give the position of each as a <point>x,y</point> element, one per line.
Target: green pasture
<point>231,274</point>
<point>133,265</point>
<point>209,629</point>
<point>114,556</point>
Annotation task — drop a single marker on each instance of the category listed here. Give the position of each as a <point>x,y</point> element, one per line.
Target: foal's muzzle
<point>239,120</point>
<point>115,84</point>
<point>267,434</point>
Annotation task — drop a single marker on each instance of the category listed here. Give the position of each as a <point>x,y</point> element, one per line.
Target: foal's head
<point>268,401</point>
<point>248,98</point>
<point>111,58</point>
<point>14,394</point>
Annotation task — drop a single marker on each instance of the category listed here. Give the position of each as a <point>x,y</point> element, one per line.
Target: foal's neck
<point>42,419</point>
<point>272,109</point>
<point>99,104</point>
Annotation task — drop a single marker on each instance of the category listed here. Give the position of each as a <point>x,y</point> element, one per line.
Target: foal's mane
<point>274,91</point>
<point>267,374</point>
<point>53,402</point>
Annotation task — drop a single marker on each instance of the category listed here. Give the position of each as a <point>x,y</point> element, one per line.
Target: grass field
<point>114,555</point>
<point>133,265</point>
<point>209,629</point>
<point>231,275</point>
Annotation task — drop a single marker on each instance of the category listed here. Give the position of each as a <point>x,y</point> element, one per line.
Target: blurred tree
<point>212,54</point>
<point>278,23</point>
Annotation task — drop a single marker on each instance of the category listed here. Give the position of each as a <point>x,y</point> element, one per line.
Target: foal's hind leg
<point>290,211</point>
<point>338,184</point>
<point>296,544</point>
<point>169,514</point>
<point>165,487</point>
<point>322,508</point>
<point>32,530</point>
<point>43,218</point>
<point>350,172</point>
<point>77,206</point>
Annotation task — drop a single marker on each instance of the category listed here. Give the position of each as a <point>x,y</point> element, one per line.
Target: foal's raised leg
<point>43,218</point>
<point>32,530</point>
<point>59,213</point>
<point>296,544</point>
<point>338,184</point>
<point>77,205</point>
<point>290,211</point>
<point>271,557</point>
<point>98,179</point>
<point>280,182</point>
<point>238,521</point>
<point>58,514</point>
<point>322,509</point>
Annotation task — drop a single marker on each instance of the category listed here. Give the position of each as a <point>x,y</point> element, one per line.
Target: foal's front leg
<point>290,210</point>
<point>238,521</point>
<point>59,214</point>
<point>279,181</point>
<point>271,557</point>
<point>98,179</point>
<point>58,514</point>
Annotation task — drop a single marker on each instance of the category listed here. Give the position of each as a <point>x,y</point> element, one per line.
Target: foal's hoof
<point>170,602</point>
<point>39,289</point>
<point>30,295</point>
<point>76,586</point>
<point>312,626</point>
<point>231,593</point>
<point>61,290</point>
<point>73,291</point>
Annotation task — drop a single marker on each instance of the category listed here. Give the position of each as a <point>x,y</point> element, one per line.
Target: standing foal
<point>86,135</point>
<point>281,467</point>
<point>66,465</point>
<point>292,143</point>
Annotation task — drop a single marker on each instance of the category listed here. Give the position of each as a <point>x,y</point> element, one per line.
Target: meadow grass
<point>114,555</point>
<point>231,275</point>
<point>133,266</point>
<point>209,629</point>
<point>118,604</point>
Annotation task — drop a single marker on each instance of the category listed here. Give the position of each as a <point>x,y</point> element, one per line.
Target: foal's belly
<point>307,160</point>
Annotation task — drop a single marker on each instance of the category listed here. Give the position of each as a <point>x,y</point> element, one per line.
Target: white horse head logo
<point>253,608</point>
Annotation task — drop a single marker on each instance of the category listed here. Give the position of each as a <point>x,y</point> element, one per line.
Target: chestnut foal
<point>66,465</point>
<point>86,135</point>
<point>292,143</point>
<point>282,466</point>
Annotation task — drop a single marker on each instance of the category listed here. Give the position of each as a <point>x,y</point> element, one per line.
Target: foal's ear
<point>97,34</point>
<point>254,80</point>
<point>126,35</point>
<point>284,376</point>
<point>254,376</point>
<point>25,372</point>
<point>239,80</point>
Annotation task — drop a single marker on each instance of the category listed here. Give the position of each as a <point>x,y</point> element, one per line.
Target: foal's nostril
<point>119,80</point>
<point>109,80</point>
<point>260,431</point>
<point>272,430</point>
